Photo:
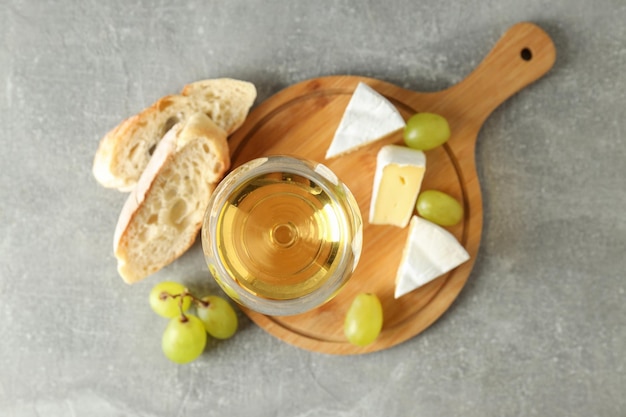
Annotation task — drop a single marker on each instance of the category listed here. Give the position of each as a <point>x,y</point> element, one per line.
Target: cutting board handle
<point>522,55</point>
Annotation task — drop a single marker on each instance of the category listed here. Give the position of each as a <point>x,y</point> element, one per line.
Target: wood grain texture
<point>301,121</point>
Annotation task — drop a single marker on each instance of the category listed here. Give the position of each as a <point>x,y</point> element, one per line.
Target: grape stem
<point>183,318</point>
<point>164,295</point>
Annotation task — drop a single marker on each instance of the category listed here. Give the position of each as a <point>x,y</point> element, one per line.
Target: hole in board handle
<point>526,54</point>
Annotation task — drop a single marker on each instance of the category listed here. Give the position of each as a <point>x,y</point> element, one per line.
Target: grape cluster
<point>185,336</point>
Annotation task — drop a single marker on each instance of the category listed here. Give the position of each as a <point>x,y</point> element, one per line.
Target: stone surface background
<point>540,328</point>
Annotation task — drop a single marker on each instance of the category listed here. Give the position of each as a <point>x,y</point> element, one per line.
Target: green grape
<point>439,208</point>
<point>424,131</point>
<point>184,339</point>
<point>364,319</point>
<point>219,317</point>
<point>163,304</point>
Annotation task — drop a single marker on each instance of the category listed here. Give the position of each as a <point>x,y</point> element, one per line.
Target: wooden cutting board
<point>301,121</point>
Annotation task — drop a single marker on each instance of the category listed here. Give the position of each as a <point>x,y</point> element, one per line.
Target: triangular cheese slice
<point>397,182</point>
<point>368,117</point>
<point>430,252</point>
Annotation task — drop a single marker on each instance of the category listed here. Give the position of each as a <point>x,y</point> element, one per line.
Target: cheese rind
<point>430,251</point>
<point>368,117</point>
<point>397,181</point>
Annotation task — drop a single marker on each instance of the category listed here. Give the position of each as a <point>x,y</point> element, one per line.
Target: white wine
<point>282,235</point>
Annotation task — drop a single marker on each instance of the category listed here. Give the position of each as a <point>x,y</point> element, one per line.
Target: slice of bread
<point>124,152</point>
<point>163,214</point>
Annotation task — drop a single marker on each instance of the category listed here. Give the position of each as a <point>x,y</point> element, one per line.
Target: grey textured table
<point>540,328</point>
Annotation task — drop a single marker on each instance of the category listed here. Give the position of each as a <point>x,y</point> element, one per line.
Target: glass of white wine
<point>282,235</point>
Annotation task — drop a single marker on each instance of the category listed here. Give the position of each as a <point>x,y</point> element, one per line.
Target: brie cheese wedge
<point>397,182</point>
<point>368,117</point>
<point>430,252</point>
